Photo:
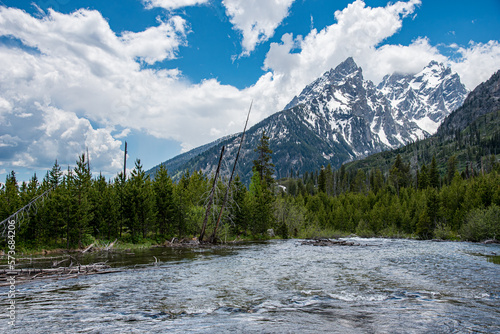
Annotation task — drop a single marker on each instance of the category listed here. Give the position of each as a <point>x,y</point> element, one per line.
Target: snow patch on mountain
<point>341,105</point>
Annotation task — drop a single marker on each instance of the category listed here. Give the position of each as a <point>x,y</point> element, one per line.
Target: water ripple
<point>383,286</point>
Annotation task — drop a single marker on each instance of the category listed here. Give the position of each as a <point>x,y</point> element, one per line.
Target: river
<point>280,286</point>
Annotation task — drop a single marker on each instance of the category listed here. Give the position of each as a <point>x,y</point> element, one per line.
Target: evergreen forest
<point>425,202</point>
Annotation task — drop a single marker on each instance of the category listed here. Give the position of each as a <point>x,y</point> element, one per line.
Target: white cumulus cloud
<point>256,19</point>
<point>72,82</point>
<point>172,4</point>
<point>358,32</point>
<point>73,72</point>
<point>477,62</point>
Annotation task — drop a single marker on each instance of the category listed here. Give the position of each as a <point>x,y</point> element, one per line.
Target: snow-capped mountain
<point>425,98</point>
<point>341,117</point>
<point>403,108</point>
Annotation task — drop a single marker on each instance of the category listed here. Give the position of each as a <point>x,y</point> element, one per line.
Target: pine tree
<point>139,203</point>
<point>82,187</point>
<point>322,180</point>
<point>261,187</point>
<point>263,164</point>
<point>451,169</point>
<point>376,181</point>
<point>343,183</point>
<point>68,200</point>
<point>55,175</point>
<point>433,174</point>
<point>12,201</point>
<point>423,177</point>
<point>164,201</point>
<point>240,209</point>
<point>329,180</point>
<point>358,183</point>
<point>260,202</point>
<point>400,174</point>
<point>34,225</point>
<point>105,208</point>
<point>292,187</point>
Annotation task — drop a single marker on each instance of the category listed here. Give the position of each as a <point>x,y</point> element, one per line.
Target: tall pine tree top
<point>263,163</point>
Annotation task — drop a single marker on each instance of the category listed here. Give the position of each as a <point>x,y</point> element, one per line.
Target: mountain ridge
<point>471,134</point>
<point>340,117</point>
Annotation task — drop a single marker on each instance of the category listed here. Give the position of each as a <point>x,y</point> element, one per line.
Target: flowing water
<point>382,286</point>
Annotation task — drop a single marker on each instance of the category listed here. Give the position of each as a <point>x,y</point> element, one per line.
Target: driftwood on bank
<point>195,243</point>
<point>88,248</point>
<point>329,242</point>
<point>182,243</point>
<point>98,247</point>
<point>28,274</point>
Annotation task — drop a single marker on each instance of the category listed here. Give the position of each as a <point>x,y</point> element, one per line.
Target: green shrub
<point>364,230</point>
<point>444,232</point>
<point>482,224</point>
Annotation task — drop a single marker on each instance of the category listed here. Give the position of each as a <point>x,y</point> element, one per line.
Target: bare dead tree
<point>211,198</point>
<point>214,234</point>
<point>125,163</point>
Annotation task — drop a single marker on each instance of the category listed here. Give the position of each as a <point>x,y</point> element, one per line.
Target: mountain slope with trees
<point>483,100</point>
<point>471,135</point>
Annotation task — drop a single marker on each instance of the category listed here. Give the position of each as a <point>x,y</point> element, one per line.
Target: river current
<point>280,286</point>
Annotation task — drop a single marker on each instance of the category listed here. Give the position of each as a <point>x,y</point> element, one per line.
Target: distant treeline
<point>424,204</point>
<point>395,203</point>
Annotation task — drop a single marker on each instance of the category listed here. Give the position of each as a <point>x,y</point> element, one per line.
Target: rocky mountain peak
<point>346,72</point>
<point>341,105</point>
<point>424,98</point>
<point>341,117</point>
<point>348,68</point>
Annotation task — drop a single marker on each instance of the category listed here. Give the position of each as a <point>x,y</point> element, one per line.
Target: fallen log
<point>107,248</point>
<point>27,274</point>
<point>88,248</point>
<point>329,242</point>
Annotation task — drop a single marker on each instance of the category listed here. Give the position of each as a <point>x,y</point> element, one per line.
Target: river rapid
<point>280,286</point>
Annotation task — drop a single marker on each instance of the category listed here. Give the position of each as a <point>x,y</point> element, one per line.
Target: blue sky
<point>170,75</point>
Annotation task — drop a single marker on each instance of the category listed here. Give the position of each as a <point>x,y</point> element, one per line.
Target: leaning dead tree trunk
<point>19,216</point>
<point>214,234</point>
<point>211,199</point>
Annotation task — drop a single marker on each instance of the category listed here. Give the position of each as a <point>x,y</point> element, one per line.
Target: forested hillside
<point>428,204</point>
<point>471,134</point>
<point>472,148</point>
